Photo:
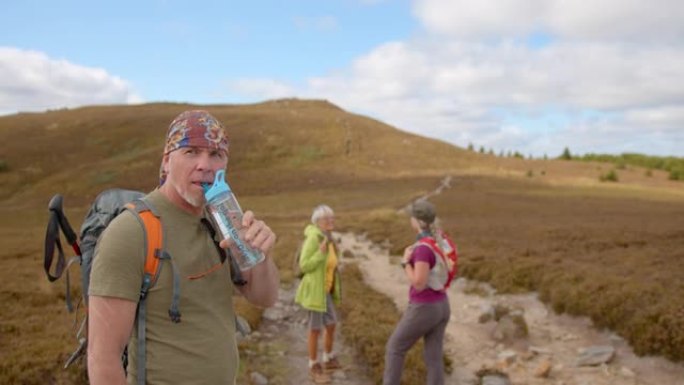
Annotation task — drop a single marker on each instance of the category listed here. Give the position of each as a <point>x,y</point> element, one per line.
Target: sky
<point>527,76</point>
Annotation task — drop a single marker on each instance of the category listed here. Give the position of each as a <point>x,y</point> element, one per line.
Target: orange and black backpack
<point>105,208</point>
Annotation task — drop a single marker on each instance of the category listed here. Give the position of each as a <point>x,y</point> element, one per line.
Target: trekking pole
<point>57,221</point>
<point>55,206</point>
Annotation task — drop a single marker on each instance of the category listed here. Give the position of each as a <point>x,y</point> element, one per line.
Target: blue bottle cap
<point>220,186</point>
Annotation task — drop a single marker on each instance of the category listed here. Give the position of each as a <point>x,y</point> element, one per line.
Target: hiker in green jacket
<point>319,289</point>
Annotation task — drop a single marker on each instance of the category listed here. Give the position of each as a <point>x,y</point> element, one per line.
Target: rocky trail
<point>550,352</point>
<point>555,349</point>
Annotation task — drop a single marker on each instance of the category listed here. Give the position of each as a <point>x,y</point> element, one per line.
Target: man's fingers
<point>247,218</point>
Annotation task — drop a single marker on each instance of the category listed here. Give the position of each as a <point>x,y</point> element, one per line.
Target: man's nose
<point>204,161</point>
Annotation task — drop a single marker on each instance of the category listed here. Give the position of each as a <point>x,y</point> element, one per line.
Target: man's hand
<point>263,279</point>
<point>255,233</point>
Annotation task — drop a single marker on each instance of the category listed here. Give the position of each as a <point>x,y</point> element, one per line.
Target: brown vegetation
<point>612,251</point>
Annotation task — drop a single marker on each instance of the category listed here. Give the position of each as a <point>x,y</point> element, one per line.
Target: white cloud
<point>612,72</point>
<point>662,119</point>
<point>606,19</point>
<point>635,20</point>
<point>483,18</point>
<point>32,81</point>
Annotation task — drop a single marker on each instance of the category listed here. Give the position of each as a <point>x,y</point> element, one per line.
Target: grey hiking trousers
<point>427,320</point>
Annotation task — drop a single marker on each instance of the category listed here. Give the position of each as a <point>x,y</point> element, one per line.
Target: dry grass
<point>587,247</point>
<point>369,324</point>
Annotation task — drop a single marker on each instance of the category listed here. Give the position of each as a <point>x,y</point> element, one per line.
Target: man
<point>201,348</point>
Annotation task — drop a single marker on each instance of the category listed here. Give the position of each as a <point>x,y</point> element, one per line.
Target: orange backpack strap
<point>153,243</point>
<point>154,254</point>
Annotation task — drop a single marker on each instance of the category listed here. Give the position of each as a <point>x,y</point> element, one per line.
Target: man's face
<point>188,168</point>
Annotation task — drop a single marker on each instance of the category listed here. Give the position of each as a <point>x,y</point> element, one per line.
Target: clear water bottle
<point>226,215</point>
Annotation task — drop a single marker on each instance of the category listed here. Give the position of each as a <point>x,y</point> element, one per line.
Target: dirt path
<point>283,335</point>
<point>557,338</point>
<point>553,340</point>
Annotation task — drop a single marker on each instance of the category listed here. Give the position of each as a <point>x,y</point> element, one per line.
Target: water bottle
<point>226,214</point>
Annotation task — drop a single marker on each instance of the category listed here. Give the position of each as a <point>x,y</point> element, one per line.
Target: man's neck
<point>172,195</point>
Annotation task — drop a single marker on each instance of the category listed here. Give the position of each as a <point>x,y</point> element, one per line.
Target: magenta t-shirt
<point>423,253</point>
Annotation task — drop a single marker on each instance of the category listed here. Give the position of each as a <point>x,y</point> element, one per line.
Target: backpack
<point>446,261</point>
<point>296,270</point>
<point>107,206</point>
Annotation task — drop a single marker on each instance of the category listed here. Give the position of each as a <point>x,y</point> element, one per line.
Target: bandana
<point>196,128</point>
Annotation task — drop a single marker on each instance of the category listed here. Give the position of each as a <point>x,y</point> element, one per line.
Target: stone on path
<point>595,355</point>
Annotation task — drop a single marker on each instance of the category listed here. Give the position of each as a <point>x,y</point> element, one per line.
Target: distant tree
<point>546,157</point>
<point>610,176</point>
<point>471,147</point>
<point>518,155</point>
<point>501,154</point>
<point>566,154</point>
<point>491,152</point>
<point>482,150</point>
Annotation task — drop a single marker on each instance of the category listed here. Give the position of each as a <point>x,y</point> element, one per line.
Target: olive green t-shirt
<point>201,349</point>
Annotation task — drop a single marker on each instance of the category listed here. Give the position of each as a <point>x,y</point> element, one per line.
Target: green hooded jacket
<point>311,293</point>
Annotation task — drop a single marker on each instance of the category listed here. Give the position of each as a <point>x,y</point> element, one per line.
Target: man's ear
<point>165,163</point>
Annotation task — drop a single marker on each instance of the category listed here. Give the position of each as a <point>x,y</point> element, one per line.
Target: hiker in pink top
<point>428,310</point>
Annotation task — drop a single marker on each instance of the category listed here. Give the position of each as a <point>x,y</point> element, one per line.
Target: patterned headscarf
<point>195,128</point>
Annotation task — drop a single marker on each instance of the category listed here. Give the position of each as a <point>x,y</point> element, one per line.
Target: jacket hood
<point>312,229</point>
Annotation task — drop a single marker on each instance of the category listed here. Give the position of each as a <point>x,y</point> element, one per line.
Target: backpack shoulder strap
<point>153,242</point>
<point>432,244</point>
<point>440,260</point>
<point>154,254</point>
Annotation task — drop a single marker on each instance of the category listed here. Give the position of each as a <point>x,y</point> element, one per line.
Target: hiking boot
<point>332,364</point>
<point>317,375</point>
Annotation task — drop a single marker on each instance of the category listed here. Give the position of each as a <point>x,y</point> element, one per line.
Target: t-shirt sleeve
<point>423,253</point>
<point>118,261</point>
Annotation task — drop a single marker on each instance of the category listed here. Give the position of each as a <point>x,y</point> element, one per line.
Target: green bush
<point>3,165</point>
<point>610,176</point>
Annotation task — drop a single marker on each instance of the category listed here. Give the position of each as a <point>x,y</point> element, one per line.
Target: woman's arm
<point>416,273</point>
<point>314,253</point>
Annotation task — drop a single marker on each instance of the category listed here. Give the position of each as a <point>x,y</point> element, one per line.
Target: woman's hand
<point>407,254</point>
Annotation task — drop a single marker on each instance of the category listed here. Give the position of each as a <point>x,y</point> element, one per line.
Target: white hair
<point>321,211</point>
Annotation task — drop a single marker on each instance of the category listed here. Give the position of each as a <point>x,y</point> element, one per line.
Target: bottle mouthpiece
<point>218,187</point>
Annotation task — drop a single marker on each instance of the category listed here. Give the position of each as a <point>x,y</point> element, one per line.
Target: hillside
<point>545,225</point>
